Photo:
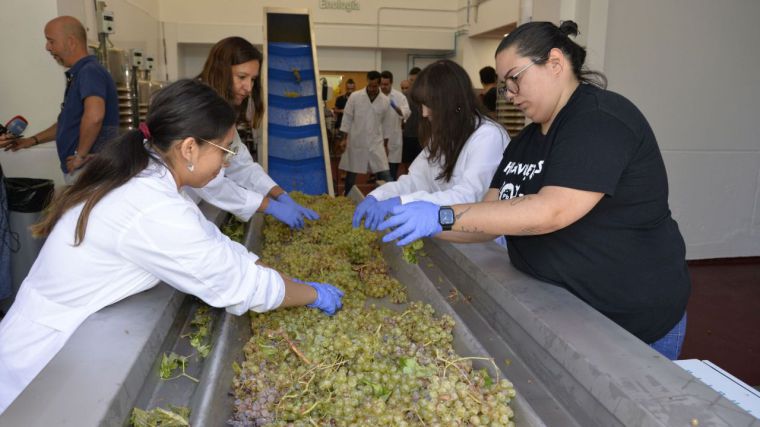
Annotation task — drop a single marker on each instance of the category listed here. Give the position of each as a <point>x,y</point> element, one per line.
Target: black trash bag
<point>28,195</point>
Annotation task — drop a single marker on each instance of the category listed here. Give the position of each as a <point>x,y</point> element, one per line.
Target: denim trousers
<point>670,345</point>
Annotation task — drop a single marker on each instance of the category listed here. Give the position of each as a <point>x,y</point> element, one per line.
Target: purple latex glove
<point>363,209</point>
<point>412,221</point>
<point>328,297</point>
<point>308,213</point>
<point>285,213</point>
<point>379,211</point>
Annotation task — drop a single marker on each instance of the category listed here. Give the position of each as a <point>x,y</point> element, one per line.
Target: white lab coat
<point>364,122</point>
<point>395,136</point>
<point>139,234</point>
<point>473,171</point>
<point>239,188</point>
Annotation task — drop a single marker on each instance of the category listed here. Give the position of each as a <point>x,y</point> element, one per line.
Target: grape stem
<point>306,412</point>
<point>293,347</point>
<point>461,359</point>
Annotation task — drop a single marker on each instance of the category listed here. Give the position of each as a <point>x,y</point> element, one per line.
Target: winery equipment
<point>571,366</point>
<point>132,74</point>
<point>294,151</point>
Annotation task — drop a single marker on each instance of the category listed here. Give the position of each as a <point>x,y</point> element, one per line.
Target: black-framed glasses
<point>510,82</point>
<point>229,153</point>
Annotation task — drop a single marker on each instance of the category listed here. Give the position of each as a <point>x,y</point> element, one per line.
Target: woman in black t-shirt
<point>581,193</point>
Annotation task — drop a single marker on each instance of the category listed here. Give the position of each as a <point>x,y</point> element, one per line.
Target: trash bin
<point>6,286</point>
<point>26,199</point>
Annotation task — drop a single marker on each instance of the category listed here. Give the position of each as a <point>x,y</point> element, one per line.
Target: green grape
<point>367,365</point>
<point>175,416</point>
<point>234,229</point>
<point>410,251</point>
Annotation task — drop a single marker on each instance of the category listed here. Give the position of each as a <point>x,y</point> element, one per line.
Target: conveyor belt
<point>570,365</point>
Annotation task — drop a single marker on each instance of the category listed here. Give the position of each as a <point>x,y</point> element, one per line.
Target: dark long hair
<point>187,108</point>
<point>534,40</point>
<point>446,89</point>
<point>217,72</point>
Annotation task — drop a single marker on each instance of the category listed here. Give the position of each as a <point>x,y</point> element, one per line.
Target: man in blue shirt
<point>90,110</point>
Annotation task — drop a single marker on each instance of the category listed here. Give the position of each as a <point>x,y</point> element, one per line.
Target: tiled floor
<point>724,316</point>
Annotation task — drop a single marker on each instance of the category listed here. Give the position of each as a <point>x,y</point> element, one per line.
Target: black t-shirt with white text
<point>626,257</point>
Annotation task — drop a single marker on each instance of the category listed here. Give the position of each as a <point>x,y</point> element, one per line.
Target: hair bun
<point>568,28</point>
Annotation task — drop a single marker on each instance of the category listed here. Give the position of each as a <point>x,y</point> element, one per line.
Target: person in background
<point>90,110</point>
<point>243,188</point>
<point>462,147</point>
<point>340,102</point>
<point>581,193</point>
<point>364,133</point>
<point>488,95</point>
<point>124,226</point>
<point>411,143</point>
<point>405,86</point>
<point>400,107</point>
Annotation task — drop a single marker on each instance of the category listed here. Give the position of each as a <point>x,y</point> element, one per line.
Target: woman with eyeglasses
<point>462,148</point>
<point>581,193</point>
<point>124,226</point>
<point>243,188</point>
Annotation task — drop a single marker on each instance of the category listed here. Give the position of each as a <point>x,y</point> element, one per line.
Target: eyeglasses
<point>510,82</point>
<point>228,153</point>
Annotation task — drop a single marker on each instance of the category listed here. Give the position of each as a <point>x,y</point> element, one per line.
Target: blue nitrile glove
<point>412,221</point>
<point>363,209</point>
<point>328,297</point>
<point>379,211</point>
<point>286,213</point>
<point>308,213</point>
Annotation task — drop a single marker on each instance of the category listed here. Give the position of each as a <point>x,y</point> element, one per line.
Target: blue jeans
<point>670,345</point>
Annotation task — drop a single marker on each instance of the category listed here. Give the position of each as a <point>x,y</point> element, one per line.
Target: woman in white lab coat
<point>232,69</point>
<point>124,226</point>
<point>462,147</point>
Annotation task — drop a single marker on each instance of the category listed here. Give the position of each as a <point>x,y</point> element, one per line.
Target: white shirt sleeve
<point>175,243</point>
<point>225,194</point>
<point>473,172</point>
<point>247,173</point>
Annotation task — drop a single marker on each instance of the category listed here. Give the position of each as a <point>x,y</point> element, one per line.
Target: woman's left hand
<point>412,221</point>
<point>306,212</point>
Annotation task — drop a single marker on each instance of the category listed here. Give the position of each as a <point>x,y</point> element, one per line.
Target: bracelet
<point>36,140</point>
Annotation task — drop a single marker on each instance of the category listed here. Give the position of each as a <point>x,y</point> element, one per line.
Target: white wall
<point>380,24</point>
<point>33,87</point>
<point>692,70</point>
<point>31,84</point>
<point>696,82</point>
<point>135,21</point>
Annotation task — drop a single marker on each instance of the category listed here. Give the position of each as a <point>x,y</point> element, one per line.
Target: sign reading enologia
<point>347,5</point>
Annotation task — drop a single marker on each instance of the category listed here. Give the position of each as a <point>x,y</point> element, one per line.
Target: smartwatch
<point>446,217</point>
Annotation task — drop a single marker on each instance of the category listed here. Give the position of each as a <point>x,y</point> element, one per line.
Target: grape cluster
<point>410,251</point>
<point>234,229</point>
<point>368,364</point>
<point>331,251</point>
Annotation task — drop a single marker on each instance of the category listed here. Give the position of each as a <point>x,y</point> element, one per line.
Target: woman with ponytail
<point>232,70</point>
<point>124,226</point>
<point>581,193</point>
